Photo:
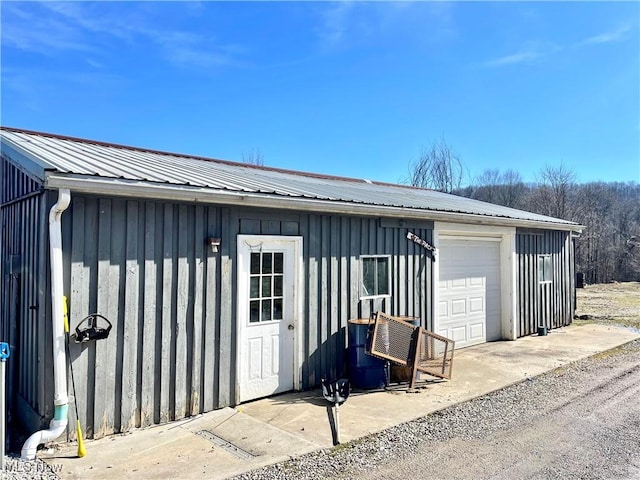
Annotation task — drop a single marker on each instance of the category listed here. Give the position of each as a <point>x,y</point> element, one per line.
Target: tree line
<point>608,248</point>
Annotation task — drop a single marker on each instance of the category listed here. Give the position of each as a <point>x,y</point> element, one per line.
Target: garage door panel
<point>469,291</point>
<point>443,308</point>
<point>476,331</point>
<point>459,334</point>
<point>476,305</point>
<point>458,307</point>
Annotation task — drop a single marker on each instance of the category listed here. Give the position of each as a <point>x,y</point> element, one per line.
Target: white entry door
<point>469,290</point>
<point>267,314</point>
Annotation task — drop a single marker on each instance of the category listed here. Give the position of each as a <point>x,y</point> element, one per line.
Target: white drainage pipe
<point>60,398</point>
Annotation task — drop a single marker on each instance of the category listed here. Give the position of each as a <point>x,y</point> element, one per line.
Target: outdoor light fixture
<point>214,243</point>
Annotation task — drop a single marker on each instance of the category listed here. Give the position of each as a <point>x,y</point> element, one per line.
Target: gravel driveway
<point>581,421</point>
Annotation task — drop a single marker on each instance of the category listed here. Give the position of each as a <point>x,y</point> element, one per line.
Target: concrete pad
<point>476,371</point>
<point>253,436</point>
<point>274,429</point>
<point>183,450</point>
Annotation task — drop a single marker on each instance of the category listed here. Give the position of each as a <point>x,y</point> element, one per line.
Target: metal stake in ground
<point>336,424</point>
<point>337,393</point>
<point>4,354</point>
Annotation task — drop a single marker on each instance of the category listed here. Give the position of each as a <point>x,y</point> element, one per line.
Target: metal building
<point>226,282</point>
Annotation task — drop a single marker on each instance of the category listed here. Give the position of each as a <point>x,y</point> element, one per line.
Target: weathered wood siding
<point>23,311</point>
<point>549,304</point>
<point>146,266</point>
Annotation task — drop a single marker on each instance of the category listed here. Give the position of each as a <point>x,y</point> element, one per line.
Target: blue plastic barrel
<point>366,371</point>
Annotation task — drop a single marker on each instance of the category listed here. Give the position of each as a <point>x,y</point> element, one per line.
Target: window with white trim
<point>266,280</point>
<point>375,276</point>
<point>545,269</point>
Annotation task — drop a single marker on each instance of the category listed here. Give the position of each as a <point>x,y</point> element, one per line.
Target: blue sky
<point>345,88</point>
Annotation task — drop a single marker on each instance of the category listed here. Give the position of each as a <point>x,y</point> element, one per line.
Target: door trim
<point>508,277</point>
<point>244,243</point>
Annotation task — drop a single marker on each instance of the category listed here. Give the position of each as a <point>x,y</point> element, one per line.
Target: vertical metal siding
<point>227,301</point>
<point>83,255</point>
<point>332,248</point>
<point>549,304</point>
<point>24,276</point>
<point>171,353</point>
<point>146,267</point>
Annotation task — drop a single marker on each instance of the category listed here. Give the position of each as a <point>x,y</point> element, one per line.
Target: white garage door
<point>469,291</point>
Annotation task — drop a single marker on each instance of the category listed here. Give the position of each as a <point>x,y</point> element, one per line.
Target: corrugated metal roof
<point>73,156</point>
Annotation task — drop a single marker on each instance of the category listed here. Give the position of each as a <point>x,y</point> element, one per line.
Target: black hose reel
<point>92,331</point>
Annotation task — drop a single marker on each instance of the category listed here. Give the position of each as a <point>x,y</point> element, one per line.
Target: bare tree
<point>506,188</point>
<point>438,167</point>
<point>626,238</point>
<point>552,196</point>
<point>592,205</point>
<point>254,157</point>
<point>512,191</point>
<point>486,186</point>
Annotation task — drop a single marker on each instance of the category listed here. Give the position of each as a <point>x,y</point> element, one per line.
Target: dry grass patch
<point>612,303</point>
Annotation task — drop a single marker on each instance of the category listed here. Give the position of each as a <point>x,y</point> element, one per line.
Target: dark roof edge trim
<point>139,189</point>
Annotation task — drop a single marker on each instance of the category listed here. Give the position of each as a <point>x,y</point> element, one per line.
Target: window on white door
<point>266,286</point>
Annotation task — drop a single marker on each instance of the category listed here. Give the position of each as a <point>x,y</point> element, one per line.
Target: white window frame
<point>361,279</point>
<point>548,273</point>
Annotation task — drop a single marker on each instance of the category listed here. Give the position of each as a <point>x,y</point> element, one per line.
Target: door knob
<point>290,326</point>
